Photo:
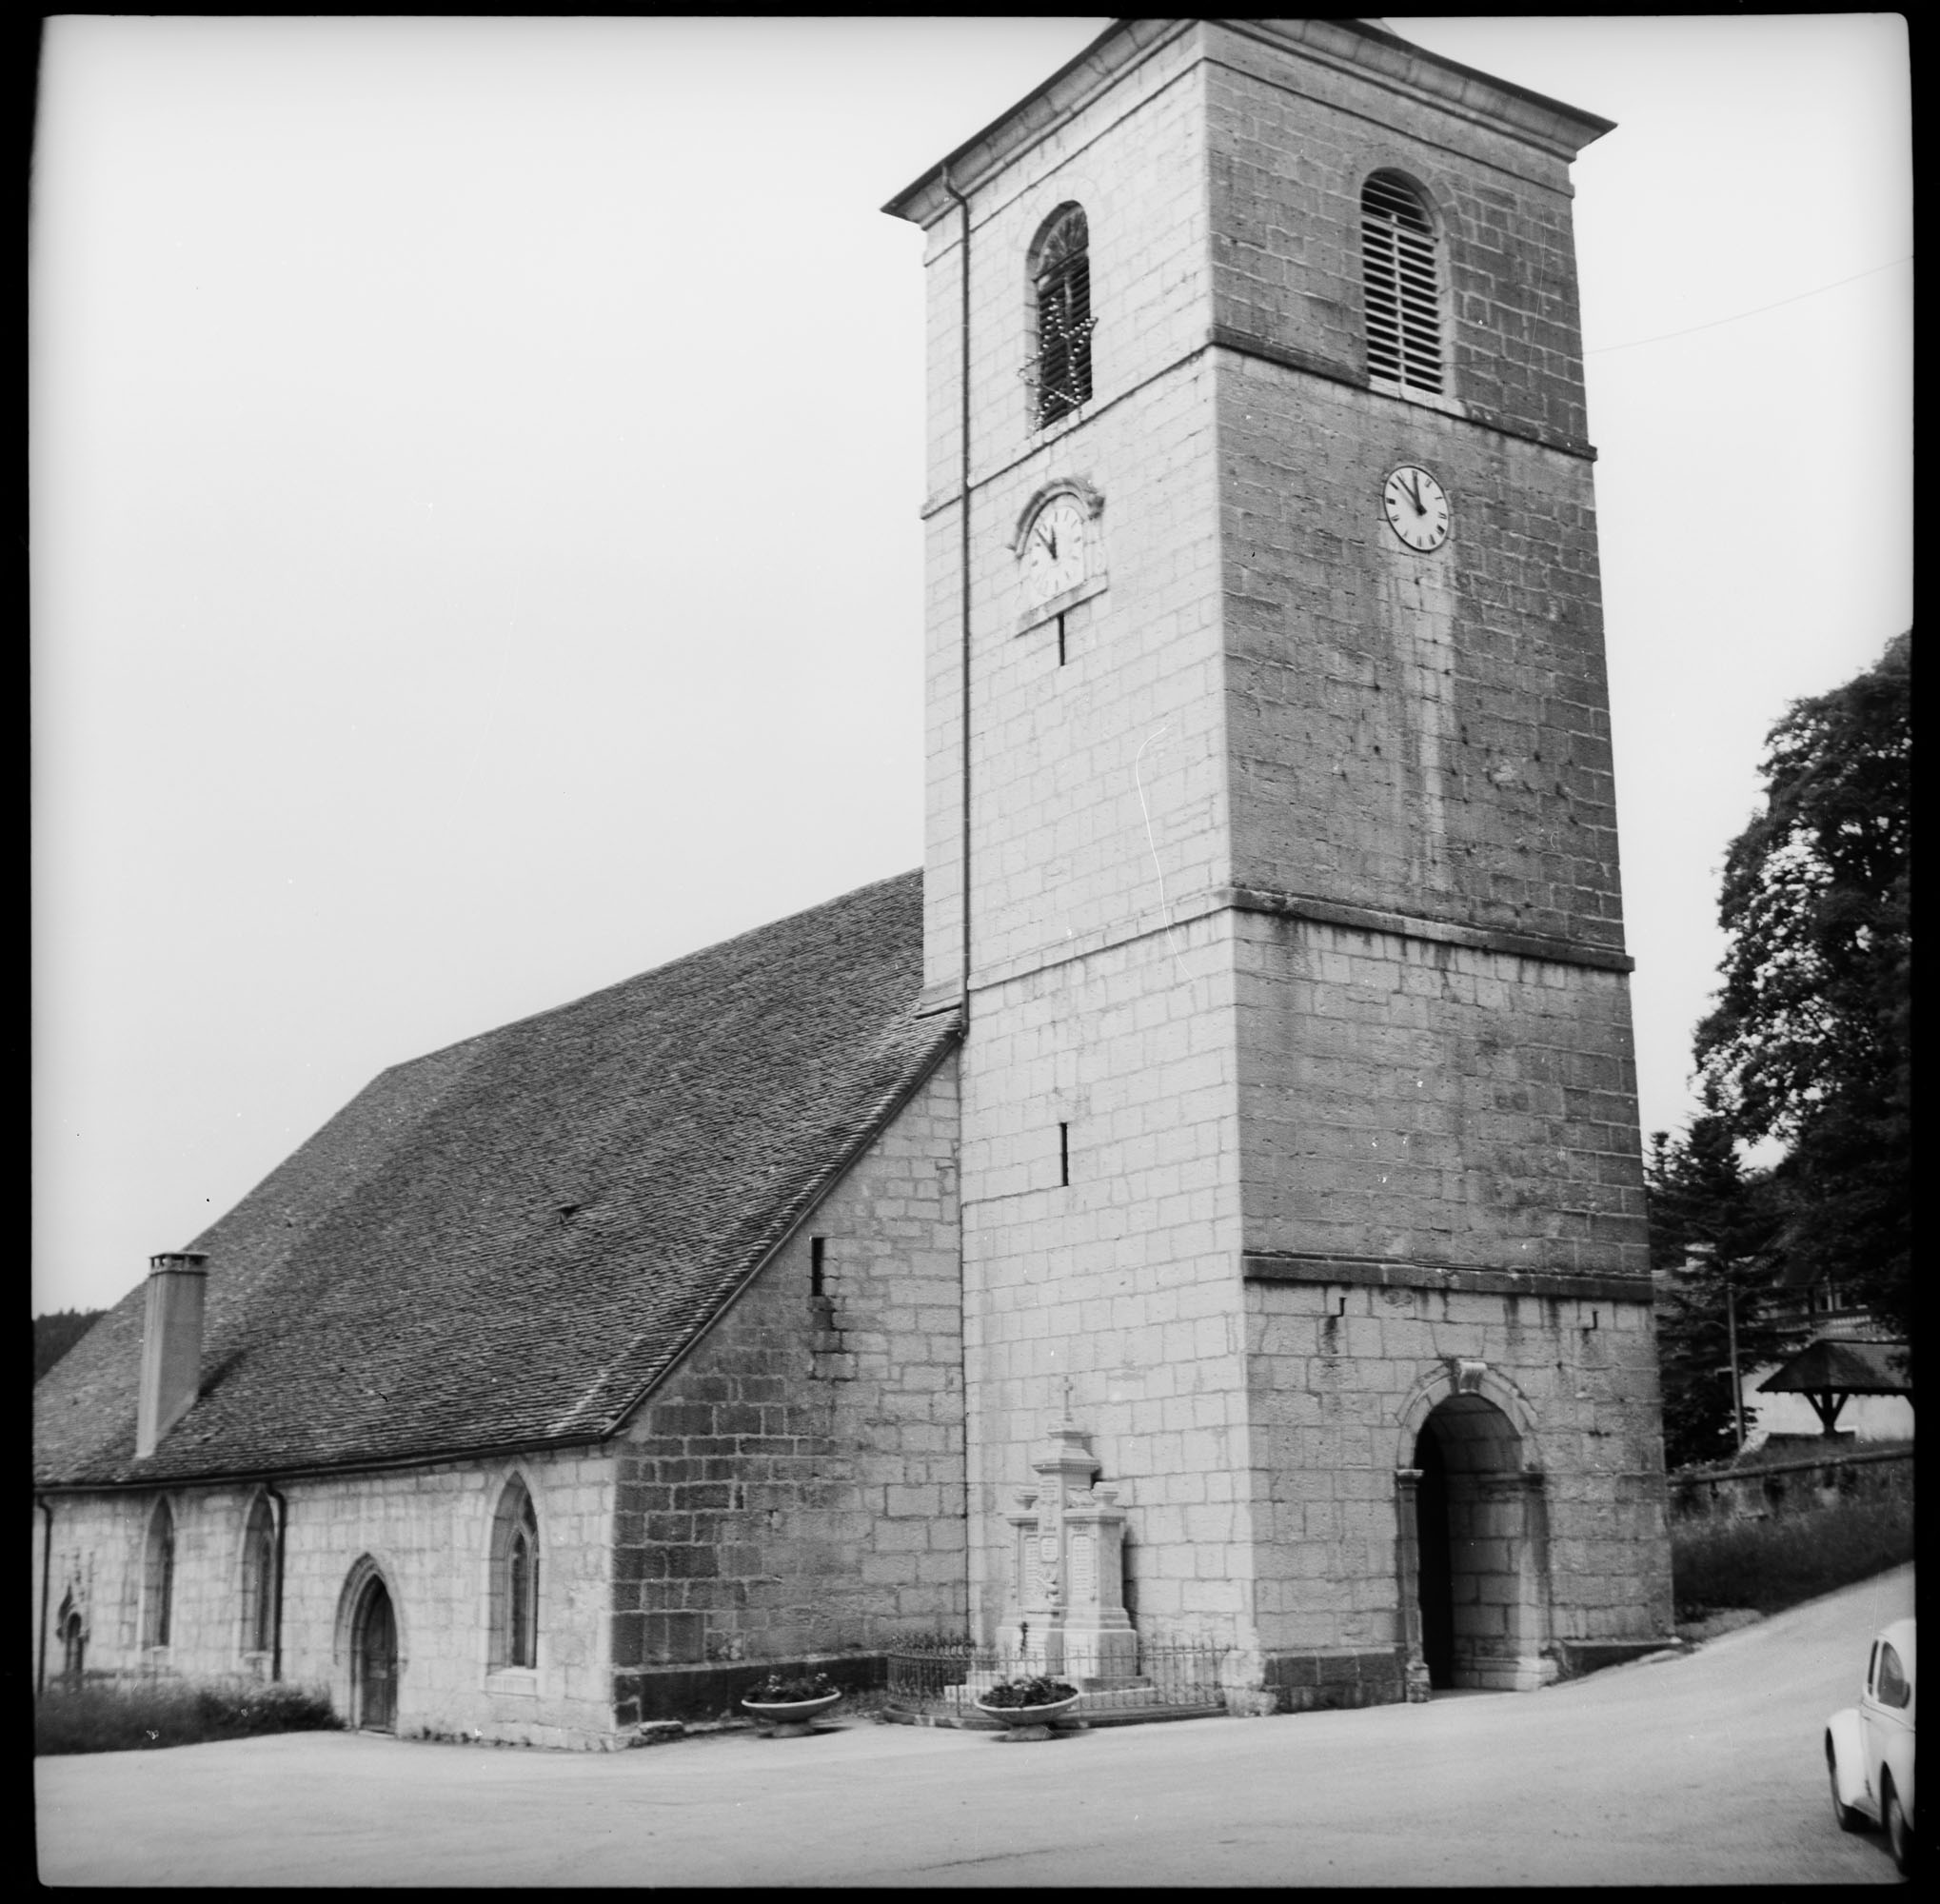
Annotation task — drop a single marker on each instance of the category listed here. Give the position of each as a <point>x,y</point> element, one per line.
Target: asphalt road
<point>1696,1770</point>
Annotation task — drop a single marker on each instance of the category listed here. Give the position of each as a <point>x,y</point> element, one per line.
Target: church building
<point>1240,1103</point>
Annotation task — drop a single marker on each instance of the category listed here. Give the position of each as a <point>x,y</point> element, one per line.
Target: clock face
<point>1416,507</point>
<point>1055,549</point>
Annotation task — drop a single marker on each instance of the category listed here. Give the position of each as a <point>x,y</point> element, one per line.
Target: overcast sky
<point>475,469</point>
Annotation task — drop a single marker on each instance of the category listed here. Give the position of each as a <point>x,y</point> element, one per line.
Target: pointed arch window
<point>1060,282</point>
<point>73,1633</point>
<point>1399,272</point>
<point>515,1578</point>
<point>259,1578</point>
<point>158,1577</point>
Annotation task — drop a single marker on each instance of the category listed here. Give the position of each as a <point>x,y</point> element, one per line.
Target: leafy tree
<point>1712,1228</point>
<point>55,1334</point>
<point>1807,1043</point>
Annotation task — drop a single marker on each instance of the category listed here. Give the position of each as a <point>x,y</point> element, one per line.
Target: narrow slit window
<point>816,1259</point>
<point>1064,1154</point>
<point>158,1581</point>
<point>1060,278</point>
<point>523,1593</point>
<point>1399,272</point>
<point>259,1579</point>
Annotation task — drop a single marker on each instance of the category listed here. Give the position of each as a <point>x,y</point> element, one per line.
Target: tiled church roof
<point>506,1243</point>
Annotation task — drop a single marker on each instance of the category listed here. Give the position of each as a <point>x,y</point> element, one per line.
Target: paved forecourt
<point>1690,1770</point>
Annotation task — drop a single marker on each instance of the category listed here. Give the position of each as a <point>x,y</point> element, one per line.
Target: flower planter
<point>1030,1721</point>
<point>791,1719</point>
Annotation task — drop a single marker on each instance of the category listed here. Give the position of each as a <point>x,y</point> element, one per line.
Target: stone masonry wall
<point>1291,141</point>
<point>796,1487</point>
<point>1333,1369</point>
<point>427,1531</point>
<point>1425,732</point>
<point>1099,796</point>
<point>1270,693</point>
<point>1436,1104</point>
<point>1422,733</point>
<point>1122,1281</point>
<point>1068,762</point>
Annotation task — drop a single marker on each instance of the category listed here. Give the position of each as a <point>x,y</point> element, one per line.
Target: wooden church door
<point>377,1662</point>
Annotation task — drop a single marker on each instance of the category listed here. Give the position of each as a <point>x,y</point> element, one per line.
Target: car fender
<point>1897,1760</point>
<point>1846,1745</point>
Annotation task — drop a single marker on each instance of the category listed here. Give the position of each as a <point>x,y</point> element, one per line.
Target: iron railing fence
<point>946,1680</point>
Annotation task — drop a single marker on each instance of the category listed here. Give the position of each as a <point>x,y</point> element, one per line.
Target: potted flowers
<point>1027,1705</point>
<point>787,1702</point>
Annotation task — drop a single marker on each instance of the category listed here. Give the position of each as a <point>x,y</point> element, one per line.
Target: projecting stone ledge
<point>1578,1656</point>
<point>1275,1266</point>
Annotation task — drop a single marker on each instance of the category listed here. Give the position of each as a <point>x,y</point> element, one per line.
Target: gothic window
<point>158,1577</point>
<point>1060,282</point>
<point>73,1633</point>
<point>515,1578</point>
<point>259,1578</point>
<point>1398,269</point>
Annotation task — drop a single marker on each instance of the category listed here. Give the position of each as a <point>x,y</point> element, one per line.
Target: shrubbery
<point>1775,1563</point>
<point>164,1711</point>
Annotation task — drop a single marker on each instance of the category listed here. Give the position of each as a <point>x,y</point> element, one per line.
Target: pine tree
<point>1713,1232</point>
<point>56,1333</point>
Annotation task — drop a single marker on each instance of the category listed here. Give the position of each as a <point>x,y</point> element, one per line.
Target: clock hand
<point>1414,494</point>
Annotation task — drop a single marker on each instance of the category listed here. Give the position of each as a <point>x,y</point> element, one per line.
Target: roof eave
<point>1123,45</point>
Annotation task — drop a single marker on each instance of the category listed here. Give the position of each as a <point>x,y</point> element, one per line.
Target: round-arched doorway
<point>374,1661</point>
<point>1479,1581</point>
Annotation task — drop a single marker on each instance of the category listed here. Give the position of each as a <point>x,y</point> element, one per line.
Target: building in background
<point>1843,1373</point>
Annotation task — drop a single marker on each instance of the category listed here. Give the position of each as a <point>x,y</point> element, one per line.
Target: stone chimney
<point>171,1345</point>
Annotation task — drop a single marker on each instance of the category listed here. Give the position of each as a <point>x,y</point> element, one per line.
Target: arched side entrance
<point>370,1648</point>
<point>1474,1578</point>
<point>374,1661</point>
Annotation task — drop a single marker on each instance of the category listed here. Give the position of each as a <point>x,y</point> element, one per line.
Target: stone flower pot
<point>791,1719</point>
<point>1030,1721</point>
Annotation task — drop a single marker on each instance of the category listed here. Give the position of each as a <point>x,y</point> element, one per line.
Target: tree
<point>1809,1040</point>
<point>56,1333</point>
<point>1712,1228</point>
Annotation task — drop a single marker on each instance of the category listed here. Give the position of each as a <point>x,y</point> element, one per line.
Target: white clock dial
<point>1055,549</point>
<point>1416,507</point>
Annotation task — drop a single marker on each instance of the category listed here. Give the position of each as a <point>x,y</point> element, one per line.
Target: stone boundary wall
<point>1793,1487</point>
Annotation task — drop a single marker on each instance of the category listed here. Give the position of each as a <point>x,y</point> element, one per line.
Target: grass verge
<point>126,1718</point>
<point>1777,1563</point>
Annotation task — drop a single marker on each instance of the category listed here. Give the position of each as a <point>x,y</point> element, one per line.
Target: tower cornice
<point>1364,47</point>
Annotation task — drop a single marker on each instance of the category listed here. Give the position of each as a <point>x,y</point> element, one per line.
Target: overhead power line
<point>1664,336</point>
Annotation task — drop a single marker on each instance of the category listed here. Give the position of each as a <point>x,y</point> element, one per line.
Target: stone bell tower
<point>1272,852</point>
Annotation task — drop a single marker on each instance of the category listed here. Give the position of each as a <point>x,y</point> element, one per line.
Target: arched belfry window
<point>1060,284</point>
<point>515,1578</point>
<point>158,1577</point>
<point>259,1578</point>
<point>1399,269</point>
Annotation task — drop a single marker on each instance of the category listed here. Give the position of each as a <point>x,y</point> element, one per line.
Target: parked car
<point>1869,1747</point>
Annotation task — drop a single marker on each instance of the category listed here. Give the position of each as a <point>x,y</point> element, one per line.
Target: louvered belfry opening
<point>1062,276</point>
<point>1403,299</point>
